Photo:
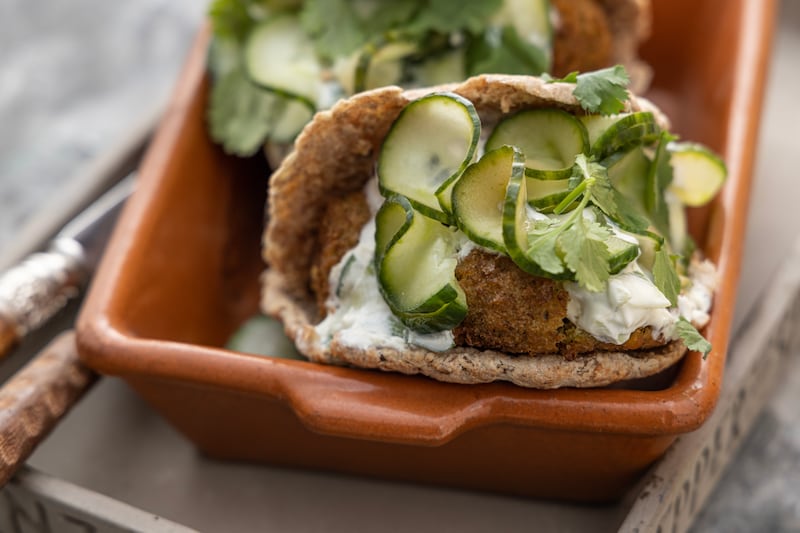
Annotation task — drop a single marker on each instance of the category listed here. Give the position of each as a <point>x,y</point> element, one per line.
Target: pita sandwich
<point>320,206</point>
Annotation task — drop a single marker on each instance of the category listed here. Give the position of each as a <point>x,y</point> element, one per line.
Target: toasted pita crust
<point>336,154</point>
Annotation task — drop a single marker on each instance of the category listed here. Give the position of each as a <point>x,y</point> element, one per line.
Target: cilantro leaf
<point>502,50</point>
<point>586,253</point>
<point>602,192</point>
<point>691,337</point>
<point>544,252</point>
<point>665,276</point>
<point>224,55</point>
<point>615,205</point>
<point>572,77</point>
<point>384,16</point>
<point>628,216</point>
<point>334,26</point>
<point>605,196</point>
<point>601,91</point>
<point>583,243</point>
<point>340,27</point>
<point>231,18</point>
<point>447,16</point>
<point>239,113</point>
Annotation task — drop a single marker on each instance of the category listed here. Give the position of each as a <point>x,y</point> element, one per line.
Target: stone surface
<point>73,75</point>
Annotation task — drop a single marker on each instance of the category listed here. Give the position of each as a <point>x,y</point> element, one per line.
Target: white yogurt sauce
<point>632,301</point>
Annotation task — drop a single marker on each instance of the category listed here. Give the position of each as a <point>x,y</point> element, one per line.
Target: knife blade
<point>34,290</point>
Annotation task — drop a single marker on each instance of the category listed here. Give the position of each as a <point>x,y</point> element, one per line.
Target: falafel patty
<point>582,38</point>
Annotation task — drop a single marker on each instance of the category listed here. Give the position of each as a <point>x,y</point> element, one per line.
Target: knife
<point>38,287</point>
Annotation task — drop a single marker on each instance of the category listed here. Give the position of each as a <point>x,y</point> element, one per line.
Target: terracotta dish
<point>182,273</point>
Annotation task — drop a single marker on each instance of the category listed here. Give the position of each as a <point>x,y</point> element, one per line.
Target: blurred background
<point>74,77</point>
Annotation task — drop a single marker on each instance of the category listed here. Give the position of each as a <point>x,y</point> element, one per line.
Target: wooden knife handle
<point>9,336</point>
<point>37,288</point>
<point>36,398</point>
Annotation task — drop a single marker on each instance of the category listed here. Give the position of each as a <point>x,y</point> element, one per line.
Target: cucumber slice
<point>549,138</point>
<point>545,195</point>
<point>479,193</point>
<point>630,130</point>
<point>382,66</point>
<point>292,119</point>
<point>597,124</point>
<point>241,123</point>
<point>628,172</point>
<point>392,220</point>
<point>515,222</point>
<point>649,244</point>
<point>698,173</point>
<point>429,145</point>
<point>416,270</point>
<point>445,318</point>
<point>621,253</point>
<point>279,56</point>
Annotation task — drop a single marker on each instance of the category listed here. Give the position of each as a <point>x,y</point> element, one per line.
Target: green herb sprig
<point>601,91</point>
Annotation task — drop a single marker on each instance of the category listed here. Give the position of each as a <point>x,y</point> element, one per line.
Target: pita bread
<point>336,154</point>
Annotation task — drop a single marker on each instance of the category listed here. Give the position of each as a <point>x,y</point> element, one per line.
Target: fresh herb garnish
<point>586,253</point>
<point>232,19</point>
<point>334,26</point>
<point>691,337</point>
<point>665,277</point>
<point>601,91</point>
<point>503,50</point>
<point>447,16</point>
<point>239,113</point>
<point>401,41</point>
<point>577,242</point>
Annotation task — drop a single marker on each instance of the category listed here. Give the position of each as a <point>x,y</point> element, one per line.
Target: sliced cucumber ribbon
<point>630,130</point>
<point>279,59</point>
<point>280,56</point>
<point>698,173</point>
<point>416,260</point>
<point>549,138</point>
<point>479,193</point>
<point>429,145</point>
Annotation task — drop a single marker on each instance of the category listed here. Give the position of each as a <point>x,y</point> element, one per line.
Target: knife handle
<point>37,397</point>
<point>36,289</point>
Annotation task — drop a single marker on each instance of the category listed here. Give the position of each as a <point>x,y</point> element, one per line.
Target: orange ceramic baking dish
<point>182,273</point>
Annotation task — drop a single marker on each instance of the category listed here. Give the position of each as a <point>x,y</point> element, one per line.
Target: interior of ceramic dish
<point>182,272</point>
